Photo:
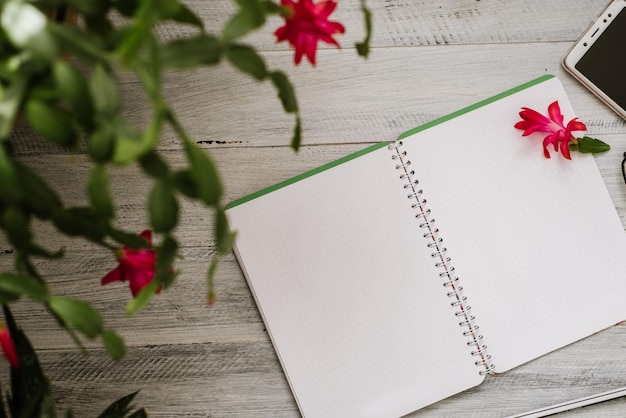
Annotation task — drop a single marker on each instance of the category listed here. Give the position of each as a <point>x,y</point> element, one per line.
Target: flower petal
<point>532,121</point>
<point>554,110</point>
<point>565,150</point>
<point>147,235</point>
<point>575,125</point>
<point>324,8</point>
<point>8,347</point>
<point>115,275</point>
<point>138,280</point>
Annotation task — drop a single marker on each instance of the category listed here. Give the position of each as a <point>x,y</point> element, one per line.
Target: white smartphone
<point>598,59</point>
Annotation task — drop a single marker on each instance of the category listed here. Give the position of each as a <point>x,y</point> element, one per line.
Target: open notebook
<point>382,296</point>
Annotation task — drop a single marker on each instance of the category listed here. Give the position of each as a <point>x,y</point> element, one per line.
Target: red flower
<point>135,266</point>
<point>307,23</point>
<point>8,347</point>
<point>559,135</point>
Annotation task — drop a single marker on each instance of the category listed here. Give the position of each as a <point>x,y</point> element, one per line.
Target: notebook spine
<point>443,262</point>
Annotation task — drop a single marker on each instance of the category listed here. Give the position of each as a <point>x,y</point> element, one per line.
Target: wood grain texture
<point>429,58</point>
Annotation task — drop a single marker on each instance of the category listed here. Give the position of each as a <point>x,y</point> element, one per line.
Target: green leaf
<point>591,145</point>
<point>204,174</point>
<point>90,7</point>
<point>6,298</point>
<point>51,122</point>
<point>223,236</point>
<point>185,15</point>
<point>174,10</point>
<point>191,52</point>
<point>286,92</point>
<point>113,343</point>
<point>296,140</point>
<point>100,24</point>
<point>166,253</point>
<point>184,182</point>
<point>16,225</point>
<point>47,409</point>
<point>127,149</point>
<point>133,40</point>
<point>101,143</point>
<point>119,408</point>
<point>127,7</point>
<point>75,91</point>
<point>131,145</point>
<point>23,286</point>
<point>36,251</point>
<point>129,240</point>
<point>162,9</point>
<point>77,314</point>
<point>153,165</point>
<point>141,413</point>
<point>42,49</point>
<point>104,91</point>
<point>98,192</point>
<point>149,72</point>
<point>80,222</point>
<point>8,178</point>
<point>162,207</point>
<point>78,42</point>
<point>40,199</point>
<point>142,299</point>
<point>363,48</point>
<point>45,93</point>
<point>249,17</point>
<point>10,100</point>
<point>269,7</point>
<point>247,60</point>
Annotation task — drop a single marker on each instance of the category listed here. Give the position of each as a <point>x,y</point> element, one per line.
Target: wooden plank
<point>244,379</point>
<point>406,87</point>
<point>437,22</point>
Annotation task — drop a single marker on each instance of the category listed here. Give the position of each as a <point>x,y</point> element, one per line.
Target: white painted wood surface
<point>429,58</point>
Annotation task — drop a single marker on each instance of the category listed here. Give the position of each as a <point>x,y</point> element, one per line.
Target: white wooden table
<point>429,58</point>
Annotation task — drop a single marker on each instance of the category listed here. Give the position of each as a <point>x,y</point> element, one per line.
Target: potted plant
<point>59,60</point>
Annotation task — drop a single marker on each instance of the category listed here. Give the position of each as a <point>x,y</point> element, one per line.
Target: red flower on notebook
<point>306,23</point>
<point>559,135</point>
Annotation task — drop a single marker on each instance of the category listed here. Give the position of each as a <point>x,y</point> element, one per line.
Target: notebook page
<point>350,295</point>
<point>537,242</point>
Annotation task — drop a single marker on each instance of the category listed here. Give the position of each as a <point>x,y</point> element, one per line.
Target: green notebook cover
<point>379,145</point>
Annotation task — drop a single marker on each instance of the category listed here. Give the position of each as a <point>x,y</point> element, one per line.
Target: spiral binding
<point>442,261</point>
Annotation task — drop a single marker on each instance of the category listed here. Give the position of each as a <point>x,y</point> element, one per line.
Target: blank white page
<point>350,294</point>
<point>536,242</point>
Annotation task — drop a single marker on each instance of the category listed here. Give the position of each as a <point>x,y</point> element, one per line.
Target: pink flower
<point>135,266</point>
<point>8,347</point>
<point>559,135</point>
<point>306,24</point>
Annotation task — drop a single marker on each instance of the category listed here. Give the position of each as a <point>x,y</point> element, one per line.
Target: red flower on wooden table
<point>8,347</point>
<point>559,135</point>
<point>306,23</point>
<point>135,266</point>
